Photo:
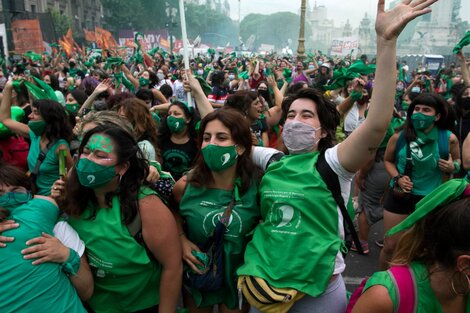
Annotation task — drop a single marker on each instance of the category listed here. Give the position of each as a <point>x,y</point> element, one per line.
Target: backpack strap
<point>41,158</point>
<point>332,182</point>
<point>443,144</point>
<point>404,282</point>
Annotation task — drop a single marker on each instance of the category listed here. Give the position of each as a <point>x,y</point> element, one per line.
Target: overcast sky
<point>338,10</point>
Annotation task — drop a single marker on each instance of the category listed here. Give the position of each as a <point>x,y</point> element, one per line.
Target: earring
<point>455,290</point>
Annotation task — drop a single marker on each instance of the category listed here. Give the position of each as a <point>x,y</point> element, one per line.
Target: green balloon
<point>17,114</point>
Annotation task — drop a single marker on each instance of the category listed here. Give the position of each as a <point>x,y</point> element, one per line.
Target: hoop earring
<point>455,290</point>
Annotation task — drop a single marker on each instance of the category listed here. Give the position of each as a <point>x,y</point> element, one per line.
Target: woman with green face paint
<point>222,171</point>
<point>49,131</point>
<point>135,268</point>
<point>435,155</point>
<point>177,139</point>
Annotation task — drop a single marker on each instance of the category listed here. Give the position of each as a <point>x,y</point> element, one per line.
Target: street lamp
<point>170,14</point>
<point>301,48</point>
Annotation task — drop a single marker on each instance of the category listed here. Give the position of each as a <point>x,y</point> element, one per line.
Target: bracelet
<point>456,167</point>
<point>72,265</point>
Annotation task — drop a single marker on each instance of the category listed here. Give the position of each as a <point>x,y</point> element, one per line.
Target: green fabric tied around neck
<point>465,41</point>
<point>446,193</point>
<point>341,76</point>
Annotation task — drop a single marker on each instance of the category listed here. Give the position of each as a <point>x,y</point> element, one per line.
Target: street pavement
<point>359,266</point>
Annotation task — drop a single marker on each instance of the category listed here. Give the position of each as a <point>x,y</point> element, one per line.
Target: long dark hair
<point>57,122</point>
<point>326,110</point>
<point>241,100</point>
<point>433,100</point>
<point>241,136</point>
<point>78,197</point>
<point>164,133</point>
<point>137,112</point>
<point>12,176</point>
<point>439,237</point>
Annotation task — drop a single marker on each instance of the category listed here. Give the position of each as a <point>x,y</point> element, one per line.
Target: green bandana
<point>175,124</point>
<point>219,158</point>
<point>462,43</point>
<point>341,76</point>
<point>93,175</point>
<point>10,200</point>
<point>72,107</point>
<point>422,121</point>
<point>37,127</point>
<point>17,114</point>
<point>143,82</point>
<point>444,194</point>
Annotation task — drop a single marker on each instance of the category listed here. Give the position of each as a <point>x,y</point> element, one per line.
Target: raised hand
<point>389,24</point>
<point>103,86</point>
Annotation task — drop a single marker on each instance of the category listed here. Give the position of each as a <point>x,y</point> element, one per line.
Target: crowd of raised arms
<point>119,195</point>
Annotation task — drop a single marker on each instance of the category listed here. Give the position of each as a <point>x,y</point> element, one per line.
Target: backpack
<point>14,150</point>
<point>332,182</point>
<point>442,142</point>
<point>404,283</point>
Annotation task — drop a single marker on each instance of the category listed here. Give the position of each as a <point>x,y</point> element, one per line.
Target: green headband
<point>446,193</point>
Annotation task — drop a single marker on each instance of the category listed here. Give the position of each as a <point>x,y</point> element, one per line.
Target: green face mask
<point>11,200</point>
<point>93,175</point>
<point>421,121</point>
<point>37,127</point>
<point>72,107</point>
<point>175,124</point>
<point>219,158</point>
<point>143,82</point>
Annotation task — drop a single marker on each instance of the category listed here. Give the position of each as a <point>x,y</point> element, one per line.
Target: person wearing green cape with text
<point>298,244</point>
<point>436,249</point>
<point>105,197</point>
<point>49,130</point>
<point>426,132</point>
<point>223,173</point>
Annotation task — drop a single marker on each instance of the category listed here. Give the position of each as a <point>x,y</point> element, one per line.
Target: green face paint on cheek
<point>99,142</point>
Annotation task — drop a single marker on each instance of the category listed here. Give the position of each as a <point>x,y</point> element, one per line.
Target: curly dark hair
<point>326,110</point>
<point>241,100</point>
<point>137,112</point>
<point>77,197</point>
<point>57,122</point>
<point>241,135</point>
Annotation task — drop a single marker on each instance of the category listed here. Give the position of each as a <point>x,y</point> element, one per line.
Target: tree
<point>61,22</point>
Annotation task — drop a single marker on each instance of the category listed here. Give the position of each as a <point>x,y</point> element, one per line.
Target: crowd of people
<point>119,193</point>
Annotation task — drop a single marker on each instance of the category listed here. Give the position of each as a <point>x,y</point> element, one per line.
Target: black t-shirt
<point>178,158</point>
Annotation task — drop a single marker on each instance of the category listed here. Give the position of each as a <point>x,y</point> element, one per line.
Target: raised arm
<point>102,87</point>
<point>358,148</point>
<point>191,84</point>
<point>464,68</point>
<point>5,113</point>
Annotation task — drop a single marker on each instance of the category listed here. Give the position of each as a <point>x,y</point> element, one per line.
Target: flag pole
<point>185,44</point>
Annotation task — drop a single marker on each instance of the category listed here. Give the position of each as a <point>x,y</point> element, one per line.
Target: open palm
<point>389,24</point>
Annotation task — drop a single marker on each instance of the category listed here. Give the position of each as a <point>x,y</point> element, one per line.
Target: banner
<point>27,36</point>
<point>343,46</point>
<point>152,38</point>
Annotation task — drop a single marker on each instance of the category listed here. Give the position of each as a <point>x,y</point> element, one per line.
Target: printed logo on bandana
<point>235,223</point>
<point>91,179</point>
<point>225,158</point>
<point>284,217</point>
<point>177,124</point>
<point>417,152</point>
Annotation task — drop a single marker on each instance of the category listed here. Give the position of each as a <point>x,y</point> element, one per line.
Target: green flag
<point>465,41</point>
